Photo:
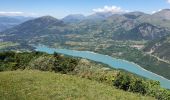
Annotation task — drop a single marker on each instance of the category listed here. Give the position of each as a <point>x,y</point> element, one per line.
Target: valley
<point>135,37</point>
<point>119,36</point>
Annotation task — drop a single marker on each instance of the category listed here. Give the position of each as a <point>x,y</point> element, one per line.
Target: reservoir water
<point>112,62</point>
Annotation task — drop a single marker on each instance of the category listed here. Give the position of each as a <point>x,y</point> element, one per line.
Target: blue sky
<point>61,8</point>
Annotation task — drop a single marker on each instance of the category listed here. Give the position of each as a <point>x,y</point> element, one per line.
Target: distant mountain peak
<point>35,26</point>
<point>47,18</point>
<point>165,10</point>
<point>73,18</point>
<point>76,15</point>
<point>7,22</point>
<point>100,15</point>
<point>164,14</point>
<point>134,15</point>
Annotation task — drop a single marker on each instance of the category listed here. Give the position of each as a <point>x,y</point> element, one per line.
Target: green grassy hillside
<point>29,85</point>
<point>77,67</point>
<point>4,45</point>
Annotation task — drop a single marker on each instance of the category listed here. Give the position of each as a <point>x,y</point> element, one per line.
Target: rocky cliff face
<point>150,31</point>
<point>159,47</point>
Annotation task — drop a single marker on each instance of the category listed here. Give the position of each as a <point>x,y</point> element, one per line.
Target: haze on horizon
<point>62,8</point>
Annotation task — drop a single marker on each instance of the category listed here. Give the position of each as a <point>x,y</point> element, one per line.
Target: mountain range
<point>94,28</point>
<point>7,22</point>
<point>128,26</point>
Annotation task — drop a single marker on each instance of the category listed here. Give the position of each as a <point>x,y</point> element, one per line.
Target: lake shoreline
<point>157,77</point>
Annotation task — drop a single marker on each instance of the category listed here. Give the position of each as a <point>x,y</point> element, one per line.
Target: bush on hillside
<point>131,83</point>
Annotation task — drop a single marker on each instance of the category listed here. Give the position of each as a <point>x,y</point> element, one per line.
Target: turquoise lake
<point>112,62</point>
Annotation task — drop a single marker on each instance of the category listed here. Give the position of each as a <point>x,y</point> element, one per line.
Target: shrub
<point>138,85</point>
<point>122,81</point>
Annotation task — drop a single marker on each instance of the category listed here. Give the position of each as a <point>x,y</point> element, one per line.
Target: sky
<point>61,8</point>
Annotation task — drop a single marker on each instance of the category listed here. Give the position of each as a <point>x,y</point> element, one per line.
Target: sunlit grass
<point>28,85</point>
<point>7,44</point>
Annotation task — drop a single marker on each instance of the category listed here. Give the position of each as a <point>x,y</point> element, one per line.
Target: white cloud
<point>10,13</point>
<point>113,9</point>
<point>156,11</point>
<point>153,12</point>
<point>168,1</point>
<point>3,13</point>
